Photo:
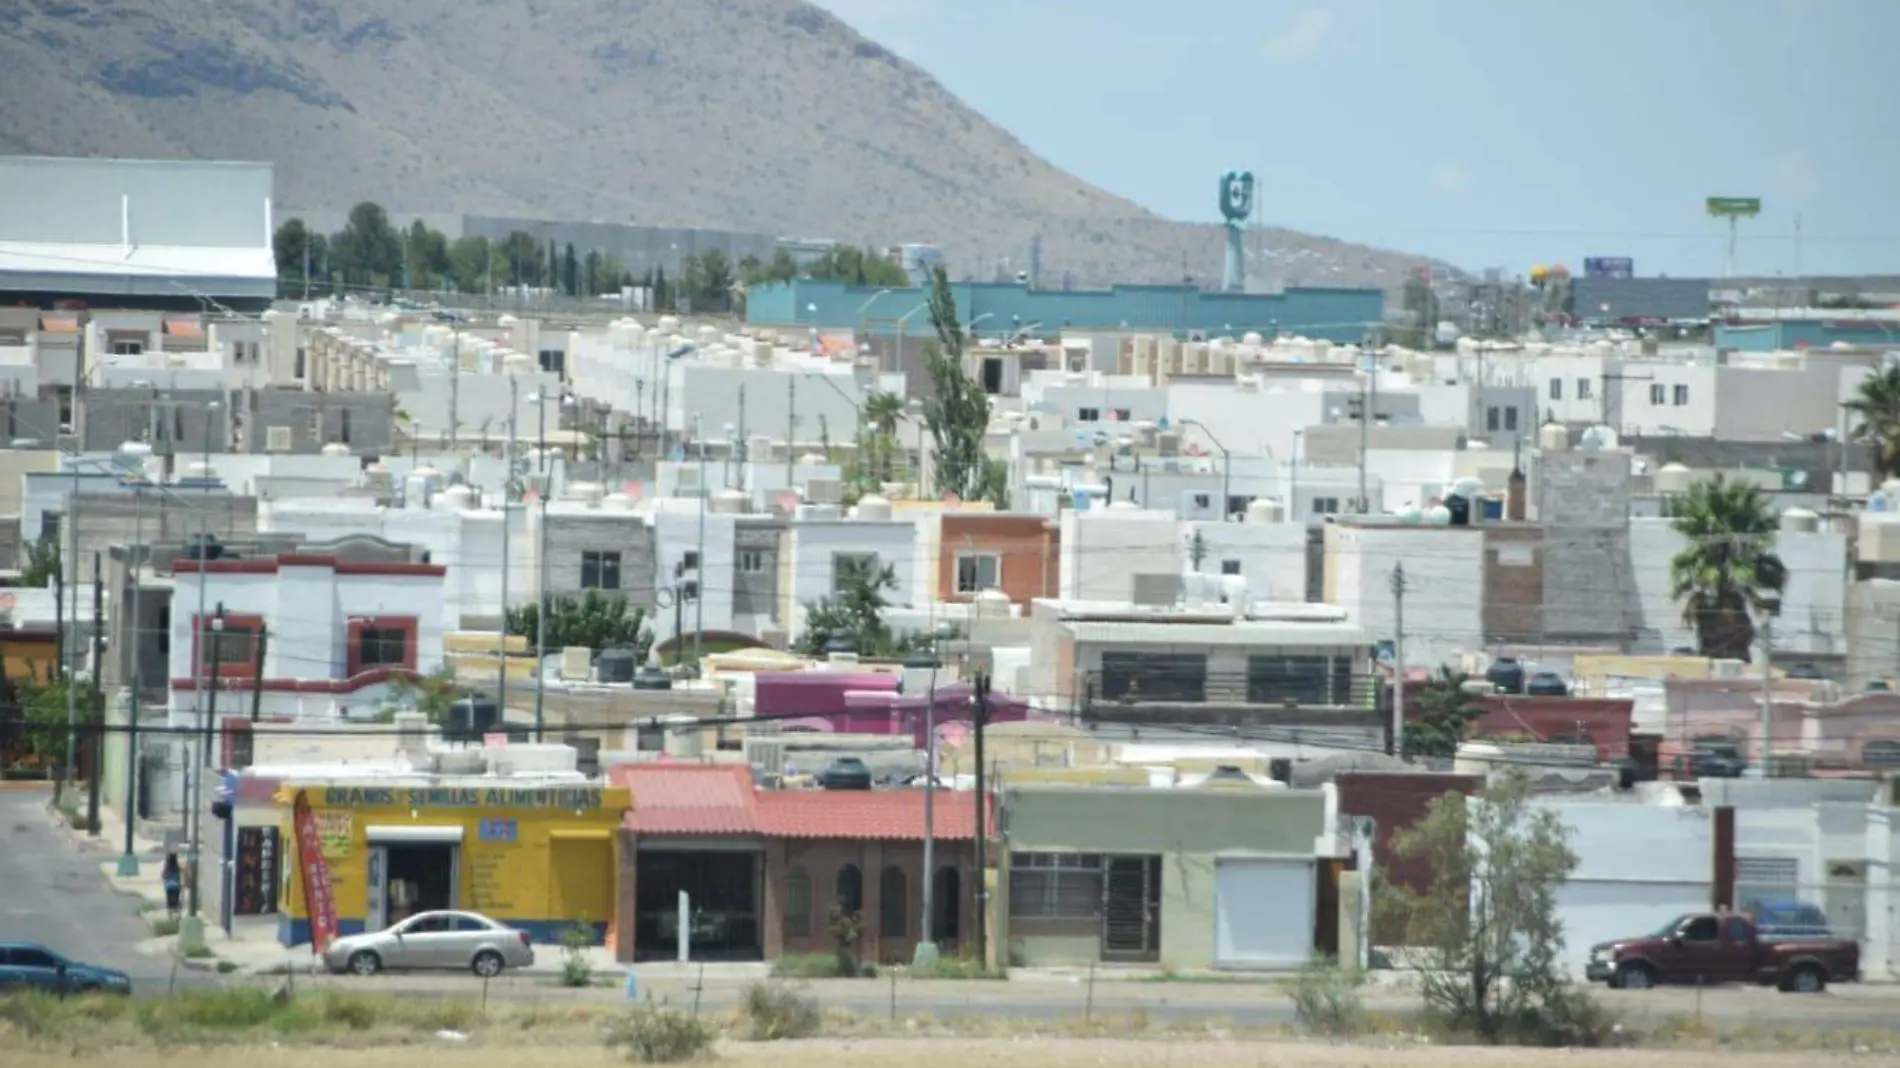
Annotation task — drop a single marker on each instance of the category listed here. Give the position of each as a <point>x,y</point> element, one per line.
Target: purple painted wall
<point>870,704</point>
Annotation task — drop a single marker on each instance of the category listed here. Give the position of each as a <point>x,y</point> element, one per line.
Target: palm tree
<point>1877,407</point>
<point>881,413</point>
<point>1729,568</point>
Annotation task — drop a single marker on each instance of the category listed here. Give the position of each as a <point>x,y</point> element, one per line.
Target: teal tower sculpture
<point>1236,207</point>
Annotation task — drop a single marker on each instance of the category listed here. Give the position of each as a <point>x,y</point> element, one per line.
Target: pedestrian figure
<point>174,882</point>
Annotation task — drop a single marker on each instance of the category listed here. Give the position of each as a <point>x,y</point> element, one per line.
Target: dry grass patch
<point>926,1053</point>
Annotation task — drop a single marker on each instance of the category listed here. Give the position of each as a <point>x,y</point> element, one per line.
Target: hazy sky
<point>1488,132</point>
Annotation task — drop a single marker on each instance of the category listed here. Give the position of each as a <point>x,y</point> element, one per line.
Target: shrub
<point>846,927</point>
<point>649,1034</point>
<point>957,968</point>
<point>773,1010</point>
<point>165,926</point>
<point>41,1015</point>
<point>1326,998</point>
<point>576,969</point>
<point>806,966</point>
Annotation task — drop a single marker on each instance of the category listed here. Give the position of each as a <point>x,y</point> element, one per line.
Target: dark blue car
<point>31,966</point>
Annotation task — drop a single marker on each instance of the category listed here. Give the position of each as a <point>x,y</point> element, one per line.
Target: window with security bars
<point>1055,886</point>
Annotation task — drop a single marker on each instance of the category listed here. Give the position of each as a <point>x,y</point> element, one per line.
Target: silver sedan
<point>448,940</point>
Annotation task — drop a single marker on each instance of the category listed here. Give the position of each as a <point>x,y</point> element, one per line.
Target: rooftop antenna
<point>1236,204</point>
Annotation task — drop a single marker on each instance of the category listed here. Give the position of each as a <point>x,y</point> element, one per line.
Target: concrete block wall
<point>1583,500</point>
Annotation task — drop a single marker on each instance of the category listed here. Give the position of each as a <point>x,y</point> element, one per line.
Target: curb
<point>26,786</point>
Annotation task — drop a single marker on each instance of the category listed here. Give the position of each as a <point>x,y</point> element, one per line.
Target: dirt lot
<point>934,1053</point>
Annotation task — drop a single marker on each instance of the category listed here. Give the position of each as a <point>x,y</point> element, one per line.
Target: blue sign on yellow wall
<point>499,831</point>
<point>578,798</point>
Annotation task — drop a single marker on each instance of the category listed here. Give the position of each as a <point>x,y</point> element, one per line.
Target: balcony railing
<point>1237,698</point>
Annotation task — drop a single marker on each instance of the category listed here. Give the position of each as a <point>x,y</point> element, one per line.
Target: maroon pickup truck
<point>1722,948</point>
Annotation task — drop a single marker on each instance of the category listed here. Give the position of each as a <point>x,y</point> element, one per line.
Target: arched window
<point>893,906</point>
<point>1881,753</point>
<point>797,903</point>
<point>851,888</point>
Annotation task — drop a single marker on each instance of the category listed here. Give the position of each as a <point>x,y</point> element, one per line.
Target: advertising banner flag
<point>319,899</point>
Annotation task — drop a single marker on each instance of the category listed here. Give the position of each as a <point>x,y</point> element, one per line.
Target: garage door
<point>1263,913</point>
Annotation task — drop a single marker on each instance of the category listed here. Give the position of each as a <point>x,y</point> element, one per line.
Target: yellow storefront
<point>539,858</point>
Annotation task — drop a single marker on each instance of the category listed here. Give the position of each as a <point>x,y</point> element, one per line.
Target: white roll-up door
<point>1263,913</point>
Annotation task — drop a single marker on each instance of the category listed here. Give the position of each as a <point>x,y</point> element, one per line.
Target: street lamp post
<point>1226,469</point>
<point>864,327</point>
<point>897,352</point>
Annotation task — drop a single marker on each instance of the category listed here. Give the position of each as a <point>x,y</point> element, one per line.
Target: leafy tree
<point>42,563</point>
<point>1729,568</point>
<point>958,411</point>
<point>1445,712</point>
<point>570,272</point>
<point>1876,407</point>
<point>875,461</point>
<point>432,694</point>
<point>856,266</point>
<point>607,274</point>
<point>594,620</point>
<point>522,255</point>
<point>1484,929</point>
<point>297,249</point>
<point>709,280</point>
<point>428,256</point>
<point>662,293</point>
<point>367,251</point>
<point>41,710</point>
<point>856,613</point>
<point>470,259</point>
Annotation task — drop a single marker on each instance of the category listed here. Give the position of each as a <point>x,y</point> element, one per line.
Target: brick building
<point>762,869</point>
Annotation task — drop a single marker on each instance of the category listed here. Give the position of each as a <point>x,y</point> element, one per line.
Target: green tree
<point>709,280</point>
<point>368,251</point>
<point>432,695</point>
<point>1729,569</point>
<point>662,293</point>
<point>957,412</point>
<point>590,273</point>
<point>297,249</point>
<point>1483,931</point>
<point>1445,713</point>
<point>856,613</point>
<point>594,620</point>
<point>469,262</point>
<point>1876,409</point>
<point>855,266</point>
<point>42,563</point>
<point>428,257</point>
<point>522,255</point>
<point>570,272</point>
<point>608,274</point>
<point>42,713</point>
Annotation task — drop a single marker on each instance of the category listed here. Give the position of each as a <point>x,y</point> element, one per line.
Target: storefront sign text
<point>581,798</point>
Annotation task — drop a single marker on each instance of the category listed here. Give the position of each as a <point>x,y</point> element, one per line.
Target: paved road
<point>52,893</point>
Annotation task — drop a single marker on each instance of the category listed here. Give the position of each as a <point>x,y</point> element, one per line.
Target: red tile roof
<point>865,814</point>
<point>689,799</point>
<point>720,800</point>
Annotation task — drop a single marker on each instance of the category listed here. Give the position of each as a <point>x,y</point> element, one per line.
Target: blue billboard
<point>1608,267</point>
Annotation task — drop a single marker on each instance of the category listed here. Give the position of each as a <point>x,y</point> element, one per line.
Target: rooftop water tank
<point>1800,520</point>
<point>1468,488</point>
<point>1672,478</point>
<point>336,448</point>
<point>990,604</point>
<point>615,665</point>
<point>729,502</point>
<point>458,497</point>
<point>1266,510</point>
<point>873,508</point>
<point>1439,516</point>
<point>1553,437</point>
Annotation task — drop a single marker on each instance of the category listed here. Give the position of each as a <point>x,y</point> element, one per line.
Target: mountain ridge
<point>761,115</point>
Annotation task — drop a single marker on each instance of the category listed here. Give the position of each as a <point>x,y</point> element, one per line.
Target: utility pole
<point>68,558</point>
<point>257,671</point>
<point>1767,688</point>
<point>699,555</point>
<point>135,560</point>
<point>740,444</point>
<point>926,953</point>
<point>541,570</point>
<point>455,386</point>
<point>982,712</point>
<point>508,478</point>
<point>1397,745</point>
<point>98,702</point>
<point>791,427</point>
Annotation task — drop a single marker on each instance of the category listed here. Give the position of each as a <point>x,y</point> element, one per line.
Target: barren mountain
<point>767,115</point>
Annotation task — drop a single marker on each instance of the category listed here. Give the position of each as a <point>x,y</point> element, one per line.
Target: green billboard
<point>1734,207</point>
